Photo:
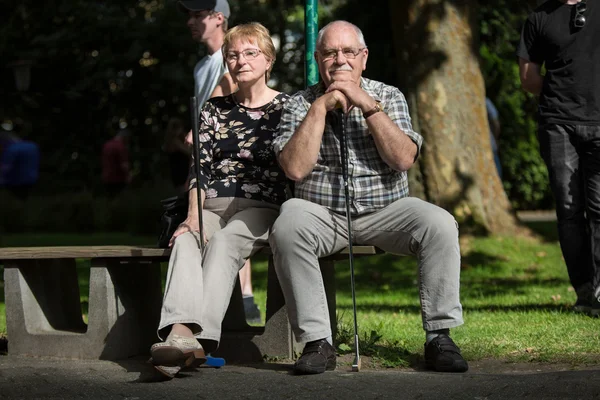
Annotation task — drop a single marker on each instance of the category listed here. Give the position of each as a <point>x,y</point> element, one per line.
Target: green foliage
<point>525,176</point>
<point>100,65</point>
<point>515,294</point>
<point>96,65</point>
<point>367,340</point>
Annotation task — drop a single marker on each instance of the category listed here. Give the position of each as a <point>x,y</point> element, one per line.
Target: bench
<point>43,309</point>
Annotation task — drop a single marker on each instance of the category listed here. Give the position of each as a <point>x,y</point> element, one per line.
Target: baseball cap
<point>221,6</point>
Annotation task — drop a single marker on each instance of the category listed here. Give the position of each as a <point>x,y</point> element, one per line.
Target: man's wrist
<point>373,110</point>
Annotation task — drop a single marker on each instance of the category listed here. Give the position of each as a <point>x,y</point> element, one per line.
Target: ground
<point>487,366</point>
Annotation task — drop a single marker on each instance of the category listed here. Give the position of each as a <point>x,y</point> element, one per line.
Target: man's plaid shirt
<point>372,183</point>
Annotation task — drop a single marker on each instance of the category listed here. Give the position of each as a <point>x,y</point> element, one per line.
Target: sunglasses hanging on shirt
<point>579,17</point>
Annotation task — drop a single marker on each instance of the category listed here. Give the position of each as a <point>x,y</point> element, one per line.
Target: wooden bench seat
<point>43,309</point>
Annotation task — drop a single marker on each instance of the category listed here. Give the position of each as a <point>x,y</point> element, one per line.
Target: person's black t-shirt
<point>571,90</point>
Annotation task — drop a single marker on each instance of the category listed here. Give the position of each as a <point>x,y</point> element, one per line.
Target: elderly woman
<point>242,189</point>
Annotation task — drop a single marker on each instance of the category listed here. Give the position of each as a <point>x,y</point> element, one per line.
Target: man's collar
<point>366,85</point>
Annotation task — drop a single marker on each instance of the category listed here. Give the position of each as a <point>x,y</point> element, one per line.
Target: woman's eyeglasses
<point>249,54</point>
<point>579,18</point>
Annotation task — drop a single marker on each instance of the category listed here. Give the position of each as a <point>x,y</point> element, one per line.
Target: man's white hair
<point>359,34</point>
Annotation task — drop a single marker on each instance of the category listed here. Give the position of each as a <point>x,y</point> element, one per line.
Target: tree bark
<point>440,75</point>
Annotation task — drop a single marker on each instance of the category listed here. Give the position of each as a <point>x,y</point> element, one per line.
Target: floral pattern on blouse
<point>236,150</point>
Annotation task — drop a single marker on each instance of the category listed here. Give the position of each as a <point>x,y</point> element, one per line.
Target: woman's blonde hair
<point>256,33</point>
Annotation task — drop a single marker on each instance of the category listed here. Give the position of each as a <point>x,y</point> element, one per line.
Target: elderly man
<point>382,147</point>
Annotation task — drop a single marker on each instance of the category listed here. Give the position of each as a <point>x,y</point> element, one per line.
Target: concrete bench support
<point>43,311</point>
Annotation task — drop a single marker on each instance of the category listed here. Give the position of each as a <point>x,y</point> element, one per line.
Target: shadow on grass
<point>482,261</point>
<point>388,273</point>
<point>546,230</point>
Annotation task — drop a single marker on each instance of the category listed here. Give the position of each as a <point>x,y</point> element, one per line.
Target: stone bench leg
<point>43,310</point>
<point>124,308</point>
<point>42,300</point>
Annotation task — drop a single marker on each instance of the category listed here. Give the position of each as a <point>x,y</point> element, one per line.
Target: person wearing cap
<point>242,187</point>
<point>382,146</point>
<point>208,21</point>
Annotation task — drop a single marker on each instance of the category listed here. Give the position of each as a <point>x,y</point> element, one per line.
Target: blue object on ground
<point>215,362</point>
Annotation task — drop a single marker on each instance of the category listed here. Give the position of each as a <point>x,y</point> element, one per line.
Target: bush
<point>11,214</point>
<point>136,210</point>
<point>525,176</point>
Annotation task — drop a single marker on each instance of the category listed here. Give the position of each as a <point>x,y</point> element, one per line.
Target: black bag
<point>175,212</point>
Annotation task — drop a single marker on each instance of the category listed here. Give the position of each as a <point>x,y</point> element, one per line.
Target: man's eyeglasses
<point>348,53</point>
<point>579,18</point>
<point>249,54</point>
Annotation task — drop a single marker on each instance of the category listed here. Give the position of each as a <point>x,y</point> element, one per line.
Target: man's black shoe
<point>317,357</point>
<point>442,355</point>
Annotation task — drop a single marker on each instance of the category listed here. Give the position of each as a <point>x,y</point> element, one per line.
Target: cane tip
<point>356,366</point>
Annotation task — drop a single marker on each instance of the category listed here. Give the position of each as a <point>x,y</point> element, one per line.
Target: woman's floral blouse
<point>236,153</point>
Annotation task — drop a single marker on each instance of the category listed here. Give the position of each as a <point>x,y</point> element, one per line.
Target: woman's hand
<point>189,225</point>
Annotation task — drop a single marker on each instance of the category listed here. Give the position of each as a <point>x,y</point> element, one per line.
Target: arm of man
<point>496,128</point>
<point>225,87</point>
<point>531,76</point>
<point>300,154</point>
<point>395,147</point>
<point>530,53</point>
<point>184,146</point>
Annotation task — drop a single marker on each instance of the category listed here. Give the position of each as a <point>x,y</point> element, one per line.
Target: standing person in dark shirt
<point>116,174</point>
<point>242,189</point>
<point>563,36</point>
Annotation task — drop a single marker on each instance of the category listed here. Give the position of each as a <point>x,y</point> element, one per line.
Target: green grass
<point>515,294</point>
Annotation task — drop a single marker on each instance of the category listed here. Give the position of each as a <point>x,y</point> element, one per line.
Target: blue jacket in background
<point>19,164</point>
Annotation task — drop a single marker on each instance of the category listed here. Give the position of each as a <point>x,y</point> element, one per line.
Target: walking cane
<point>196,144</point>
<point>344,153</point>
<point>215,362</point>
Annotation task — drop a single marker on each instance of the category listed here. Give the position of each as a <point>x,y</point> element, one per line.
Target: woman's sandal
<point>178,351</point>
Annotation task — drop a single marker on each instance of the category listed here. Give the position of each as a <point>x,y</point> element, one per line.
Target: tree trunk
<point>438,53</point>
